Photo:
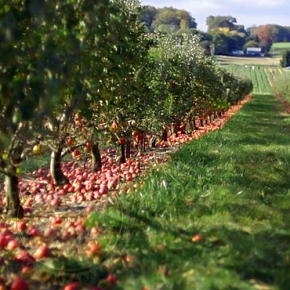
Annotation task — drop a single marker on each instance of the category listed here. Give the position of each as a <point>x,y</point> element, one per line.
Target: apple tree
<point>27,89</point>
<point>114,59</point>
<point>174,77</point>
<point>99,60</point>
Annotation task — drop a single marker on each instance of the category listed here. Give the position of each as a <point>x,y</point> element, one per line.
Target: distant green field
<point>262,71</point>
<point>246,60</point>
<point>278,48</point>
<point>281,45</point>
<point>263,77</point>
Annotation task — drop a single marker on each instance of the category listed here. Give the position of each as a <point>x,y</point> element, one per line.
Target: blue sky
<point>246,12</point>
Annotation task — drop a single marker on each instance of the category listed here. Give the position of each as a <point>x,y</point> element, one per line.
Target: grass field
<point>281,45</point>
<point>278,48</point>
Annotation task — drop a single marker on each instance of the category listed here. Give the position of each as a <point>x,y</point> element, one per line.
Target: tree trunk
<point>153,142</point>
<point>14,208</point>
<point>96,158</point>
<point>164,135</point>
<point>57,175</point>
<point>128,148</point>
<point>195,125</point>
<point>143,144</point>
<point>123,158</point>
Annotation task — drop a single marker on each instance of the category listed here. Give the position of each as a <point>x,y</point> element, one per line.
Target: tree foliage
<point>69,63</point>
<point>166,19</point>
<point>60,59</point>
<point>285,61</point>
<point>28,87</point>
<point>265,36</point>
<point>214,22</point>
<point>221,43</point>
<point>282,86</point>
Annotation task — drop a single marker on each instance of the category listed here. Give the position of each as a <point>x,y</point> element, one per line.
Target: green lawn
<point>231,187</point>
<point>279,47</point>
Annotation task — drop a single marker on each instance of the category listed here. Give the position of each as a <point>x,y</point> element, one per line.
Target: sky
<point>246,12</point>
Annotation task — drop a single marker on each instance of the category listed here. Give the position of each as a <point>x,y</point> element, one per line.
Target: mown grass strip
<point>216,216</point>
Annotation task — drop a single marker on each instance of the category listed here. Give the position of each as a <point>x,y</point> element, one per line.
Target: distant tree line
<point>167,19</point>
<point>223,34</point>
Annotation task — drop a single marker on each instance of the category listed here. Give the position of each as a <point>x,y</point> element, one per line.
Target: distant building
<point>254,51</point>
<point>238,52</point>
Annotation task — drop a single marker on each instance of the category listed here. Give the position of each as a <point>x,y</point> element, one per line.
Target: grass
<point>262,77</point>
<point>282,45</point>
<point>279,47</point>
<point>232,187</point>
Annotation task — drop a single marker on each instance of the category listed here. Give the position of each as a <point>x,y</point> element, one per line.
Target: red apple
<point>42,252</point>
<point>76,153</point>
<point>19,284</point>
<point>94,250</point>
<point>72,286</point>
<point>33,231</point>
<point>112,279</point>
<point>197,238</point>
<point>25,258</point>
<point>55,220</point>
<point>49,232</point>
<point>12,245</point>
<point>26,269</point>
<point>3,241</point>
<point>95,231</point>
<point>20,226</point>
<point>56,202</point>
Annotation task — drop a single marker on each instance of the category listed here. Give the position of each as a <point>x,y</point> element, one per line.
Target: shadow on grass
<point>226,258</point>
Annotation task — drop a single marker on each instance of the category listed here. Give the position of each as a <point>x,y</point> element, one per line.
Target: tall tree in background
<point>167,18</point>
<point>265,36</point>
<point>280,34</point>
<point>285,61</point>
<point>148,15</point>
<point>221,43</point>
<point>214,22</point>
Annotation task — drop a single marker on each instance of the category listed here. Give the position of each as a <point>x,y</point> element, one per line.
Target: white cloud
<point>202,4</point>
<point>195,5</point>
<point>260,3</point>
<point>249,20</point>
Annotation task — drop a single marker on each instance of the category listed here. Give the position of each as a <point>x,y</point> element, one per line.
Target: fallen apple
<point>19,284</point>
<point>42,252</point>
